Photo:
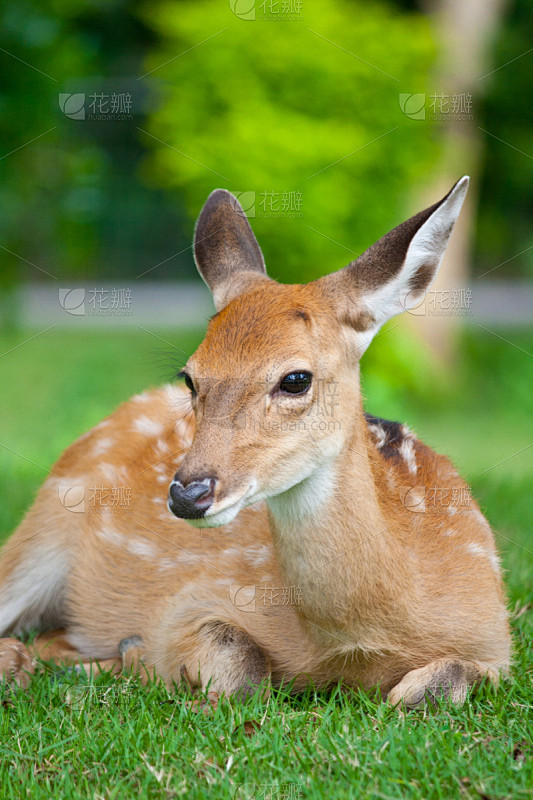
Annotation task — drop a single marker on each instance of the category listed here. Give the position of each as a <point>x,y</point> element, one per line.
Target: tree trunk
<point>464,30</point>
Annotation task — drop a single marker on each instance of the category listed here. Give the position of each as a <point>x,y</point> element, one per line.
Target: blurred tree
<point>503,234</point>
<point>302,116</point>
<point>464,30</point>
<point>72,204</point>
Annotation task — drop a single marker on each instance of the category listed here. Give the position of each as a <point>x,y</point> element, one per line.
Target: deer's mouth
<point>222,511</point>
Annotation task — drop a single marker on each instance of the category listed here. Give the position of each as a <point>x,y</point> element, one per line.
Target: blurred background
<point>332,122</point>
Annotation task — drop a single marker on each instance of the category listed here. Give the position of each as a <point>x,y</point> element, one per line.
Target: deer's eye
<point>296,383</point>
<point>188,381</point>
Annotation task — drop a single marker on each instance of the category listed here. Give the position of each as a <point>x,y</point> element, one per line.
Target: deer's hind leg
<point>54,646</point>
<point>35,563</point>
<point>18,662</point>
<point>445,678</point>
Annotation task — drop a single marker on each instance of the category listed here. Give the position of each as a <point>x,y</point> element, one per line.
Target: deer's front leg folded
<point>216,654</point>
<point>446,678</point>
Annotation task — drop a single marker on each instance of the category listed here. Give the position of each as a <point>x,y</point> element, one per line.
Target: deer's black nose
<point>193,500</point>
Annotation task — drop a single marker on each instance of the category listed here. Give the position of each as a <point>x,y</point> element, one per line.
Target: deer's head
<point>275,383</point>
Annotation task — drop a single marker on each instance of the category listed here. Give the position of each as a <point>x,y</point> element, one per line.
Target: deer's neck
<point>332,541</point>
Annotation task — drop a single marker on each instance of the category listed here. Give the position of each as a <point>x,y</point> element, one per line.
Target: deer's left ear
<point>394,274</point>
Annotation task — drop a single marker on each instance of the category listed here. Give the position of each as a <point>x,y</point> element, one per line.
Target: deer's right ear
<point>226,251</point>
<point>394,274</point>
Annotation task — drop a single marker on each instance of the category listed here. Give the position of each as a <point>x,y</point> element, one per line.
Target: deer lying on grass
<point>385,592</point>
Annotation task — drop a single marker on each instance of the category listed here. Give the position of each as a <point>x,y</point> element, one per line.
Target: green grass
<point>118,739</point>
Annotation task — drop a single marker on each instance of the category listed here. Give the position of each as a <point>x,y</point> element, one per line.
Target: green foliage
<point>71,201</point>
<point>306,106</point>
<point>44,49</point>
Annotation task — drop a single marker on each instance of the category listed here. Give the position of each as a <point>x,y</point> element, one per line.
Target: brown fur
<point>390,594</point>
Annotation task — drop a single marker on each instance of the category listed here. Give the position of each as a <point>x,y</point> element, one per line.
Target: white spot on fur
<point>102,445</point>
<point>479,550</point>
<point>232,552</point>
<point>147,426</point>
<point>479,517</point>
<point>161,447</point>
<point>495,561</point>
<point>258,554</point>
<point>380,435</point>
<point>139,547</point>
<point>111,536</point>
<point>182,559</point>
<point>141,398</point>
<point>101,425</point>
<point>158,500</point>
<point>407,452</point>
<point>163,479</point>
<point>114,476</point>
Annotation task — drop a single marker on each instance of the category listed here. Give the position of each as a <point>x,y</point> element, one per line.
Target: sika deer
<point>384,592</point>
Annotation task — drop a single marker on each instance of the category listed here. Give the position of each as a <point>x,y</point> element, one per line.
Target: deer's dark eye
<point>296,383</point>
<point>188,381</point>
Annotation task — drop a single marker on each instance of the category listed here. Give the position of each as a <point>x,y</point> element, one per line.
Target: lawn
<point>68,737</point>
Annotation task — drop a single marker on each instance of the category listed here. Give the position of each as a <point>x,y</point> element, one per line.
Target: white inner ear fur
<point>427,247</point>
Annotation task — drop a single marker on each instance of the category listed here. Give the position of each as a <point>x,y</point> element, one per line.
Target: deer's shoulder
<point>405,453</point>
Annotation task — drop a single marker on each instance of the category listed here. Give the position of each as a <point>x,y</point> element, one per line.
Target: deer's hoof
<point>16,664</point>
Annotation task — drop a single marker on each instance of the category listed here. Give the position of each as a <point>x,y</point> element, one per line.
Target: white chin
<point>218,518</point>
